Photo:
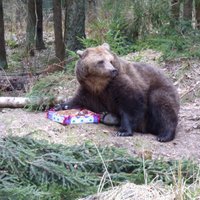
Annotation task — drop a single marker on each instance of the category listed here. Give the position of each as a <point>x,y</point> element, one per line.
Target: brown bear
<point>139,94</point>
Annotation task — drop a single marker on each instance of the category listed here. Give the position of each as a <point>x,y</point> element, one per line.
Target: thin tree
<point>39,36</point>
<point>34,28</point>
<point>74,24</point>
<point>197,12</point>
<point>3,61</point>
<point>31,27</point>
<point>57,19</point>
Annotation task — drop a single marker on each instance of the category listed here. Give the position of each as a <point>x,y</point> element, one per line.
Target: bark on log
<point>13,102</point>
<point>21,102</point>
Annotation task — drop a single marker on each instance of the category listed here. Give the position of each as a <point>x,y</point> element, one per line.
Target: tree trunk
<point>39,38</point>
<point>187,10</point>
<point>197,10</point>
<point>3,61</point>
<point>57,18</point>
<point>31,27</point>
<point>74,24</point>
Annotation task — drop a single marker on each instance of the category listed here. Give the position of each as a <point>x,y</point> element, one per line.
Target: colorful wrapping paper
<point>73,116</point>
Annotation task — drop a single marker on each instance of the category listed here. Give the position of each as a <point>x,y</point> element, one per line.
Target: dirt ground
<point>186,144</point>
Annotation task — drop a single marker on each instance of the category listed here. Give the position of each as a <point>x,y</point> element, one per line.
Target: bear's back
<point>152,76</point>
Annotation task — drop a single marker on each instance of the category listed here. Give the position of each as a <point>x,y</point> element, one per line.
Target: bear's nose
<point>114,73</point>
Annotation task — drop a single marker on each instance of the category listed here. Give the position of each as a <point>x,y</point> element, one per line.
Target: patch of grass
<point>11,43</point>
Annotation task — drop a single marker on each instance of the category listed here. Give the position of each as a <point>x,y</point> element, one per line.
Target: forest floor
<point>186,76</point>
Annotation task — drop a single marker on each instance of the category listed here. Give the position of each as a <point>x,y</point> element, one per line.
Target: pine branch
<point>35,168</point>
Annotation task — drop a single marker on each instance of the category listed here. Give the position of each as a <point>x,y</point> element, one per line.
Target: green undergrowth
<point>32,169</point>
<point>109,31</point>
<point>174,41</point>
<point>172,45</point>
<point>46,89</point>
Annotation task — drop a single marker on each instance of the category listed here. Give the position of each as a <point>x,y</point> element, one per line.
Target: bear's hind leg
<point>162,116</point>
<point>162,122</point>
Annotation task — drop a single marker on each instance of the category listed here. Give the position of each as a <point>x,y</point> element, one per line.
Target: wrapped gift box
<point>73,116</point>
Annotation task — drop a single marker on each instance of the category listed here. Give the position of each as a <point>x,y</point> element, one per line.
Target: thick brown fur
<point>139,94</point>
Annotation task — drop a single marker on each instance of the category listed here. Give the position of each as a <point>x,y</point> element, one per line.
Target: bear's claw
<point>60,106</point>
<point>165,138</point>
<point>123,134</point>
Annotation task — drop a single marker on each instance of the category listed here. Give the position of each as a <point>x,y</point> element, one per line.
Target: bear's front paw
<point>60,106</point>
<point>124,133</point>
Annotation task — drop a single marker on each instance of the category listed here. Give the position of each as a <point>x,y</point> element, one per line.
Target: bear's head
<point>96,67</point>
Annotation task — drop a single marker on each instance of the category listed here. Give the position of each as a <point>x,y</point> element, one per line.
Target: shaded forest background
<point>41,37</point>
<point>66,26</point>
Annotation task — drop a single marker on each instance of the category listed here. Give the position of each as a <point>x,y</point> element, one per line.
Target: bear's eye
<point>100,62</point>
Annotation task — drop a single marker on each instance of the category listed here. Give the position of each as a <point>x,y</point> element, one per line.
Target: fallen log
<point>21,102</point>
<point>13,102</point>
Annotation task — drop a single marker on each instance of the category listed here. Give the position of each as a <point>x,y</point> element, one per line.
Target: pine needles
<point>31,169</point>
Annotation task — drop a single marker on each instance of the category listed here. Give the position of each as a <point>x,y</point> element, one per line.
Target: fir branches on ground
<point>31,169</point>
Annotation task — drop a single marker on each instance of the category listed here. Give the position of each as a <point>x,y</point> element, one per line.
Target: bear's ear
<point>80,53</point>
<point>106,45</point>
